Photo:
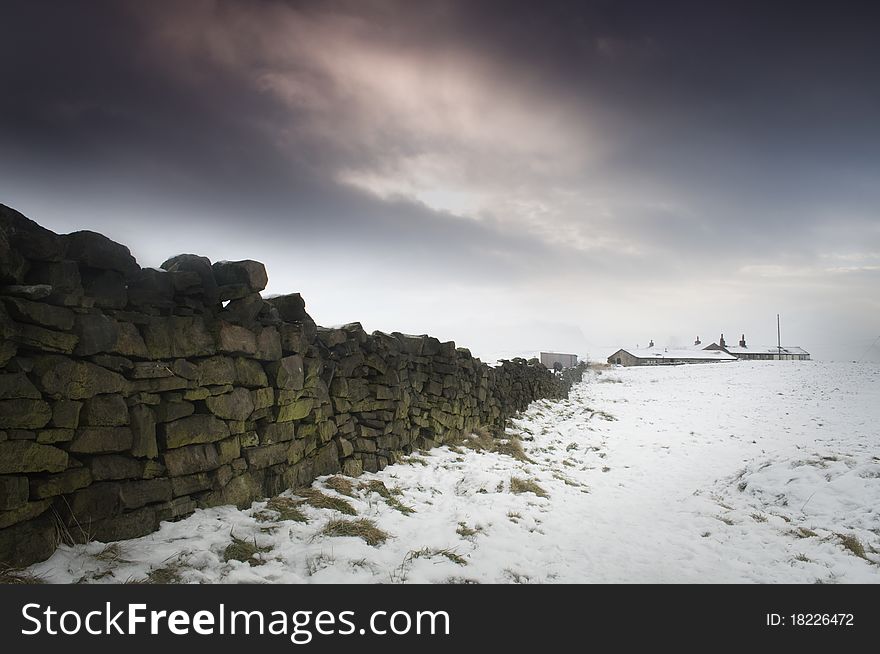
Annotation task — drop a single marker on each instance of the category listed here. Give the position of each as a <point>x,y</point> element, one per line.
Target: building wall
<point>130,396</point>
<point>550,359</point>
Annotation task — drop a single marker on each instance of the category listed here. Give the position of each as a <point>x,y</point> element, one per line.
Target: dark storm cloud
<point>611,146</point>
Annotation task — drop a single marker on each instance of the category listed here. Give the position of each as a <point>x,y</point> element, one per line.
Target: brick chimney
<point>698,342</point>
<point>721,341</point>
<point>742,341</point>
<point>651,344</point>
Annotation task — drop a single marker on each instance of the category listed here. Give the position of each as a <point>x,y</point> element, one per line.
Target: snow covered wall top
<point>131,395</point>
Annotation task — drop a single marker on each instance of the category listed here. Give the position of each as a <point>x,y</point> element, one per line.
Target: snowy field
<point>742,472</point>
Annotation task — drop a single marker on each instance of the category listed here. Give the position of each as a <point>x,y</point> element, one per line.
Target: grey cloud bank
<point>513,176</point>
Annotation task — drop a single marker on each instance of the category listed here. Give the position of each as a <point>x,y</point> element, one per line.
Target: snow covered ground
<point>740,472</point>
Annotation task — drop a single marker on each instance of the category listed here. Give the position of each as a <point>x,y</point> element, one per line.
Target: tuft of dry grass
<point>519,485</point>
<point>854,545</point>
<point>285,508</point>
<point>244,551</point>
<point>111,554</point>
<point>169,574</point>
<point>430,552</point>
<point>341,485</point>
<point>388,495</point>
<point>376,486</point>
<point>397,505</point>
<point>18,577</point>
<point>511,447</point>
<point>803,532</point>
<point>466,532</point>
<point>362,528</point>
<point>319,500</point>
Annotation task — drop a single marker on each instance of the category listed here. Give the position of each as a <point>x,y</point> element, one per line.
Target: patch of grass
<point>319,500</point>
<point>517,577</point>
<point>572,446</point>
<point>757,517</point>
<point>388,495</point>
<point>519,485</point>
<point>397,505</point>
<point>430,552</point>
<point>285,508</point>
<point>18,577</point>
<point>362,528</point>
<point>565,480</point>
<point>726,520</point>
<point>511,447</point>
<point>467,532</point>
<point>460,580</point>
<point>316,563</point>
<point>341,485</point>
<point>514,516</point>
<point>169,574</point>
<point>706,534</point>
<point>376,486</point>
<point>606,469</point>
<point>244,551</point>
<point>111,554</point>
<point>602,414</point>
<point>610,380</point>
<point>803,557</point>
<point>854,545</point>
<point>803,532</point>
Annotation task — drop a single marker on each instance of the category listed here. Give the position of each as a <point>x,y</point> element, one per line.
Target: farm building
<point>555,360</point>
<point>659,356</point>
<point>762,353</point>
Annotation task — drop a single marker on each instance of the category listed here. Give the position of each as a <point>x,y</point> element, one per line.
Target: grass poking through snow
<point>854,545</point>
<point>362,528</point>
<point>244,551</point>
<point>341,485</point>
<point>284,508</point>
<point>519,485</point>
<point>319,500</point>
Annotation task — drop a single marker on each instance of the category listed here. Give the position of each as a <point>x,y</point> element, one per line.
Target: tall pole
<point>778,337</point>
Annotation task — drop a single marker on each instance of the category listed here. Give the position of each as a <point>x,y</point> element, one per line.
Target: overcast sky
<point>512,175</point>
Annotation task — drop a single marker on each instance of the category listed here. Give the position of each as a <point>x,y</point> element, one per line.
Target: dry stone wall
<point>130,396</point>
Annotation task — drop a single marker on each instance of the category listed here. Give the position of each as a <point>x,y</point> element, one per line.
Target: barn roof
<point>679,353</point>
<point>770,349</point>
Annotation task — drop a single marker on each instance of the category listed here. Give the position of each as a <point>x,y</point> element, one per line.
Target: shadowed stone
<point>237,405</point>
<point>13,492</point>
<point>97,251</point>
<point>191,459</point>
<point>78,380</point>
<point>17,385</point>
<point>291,307</point>
<point>288,373</point>
<point>27,456</point>
<point>178,337</point>
<point>194,429</point>
<point>251,274</point>
<point>200,266</point>
<point>60,484</point>
<point>40,313</point>
<point>24,414</point>
<point>104,411</point>
<point>96,440</point>
<point>65,414</point>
